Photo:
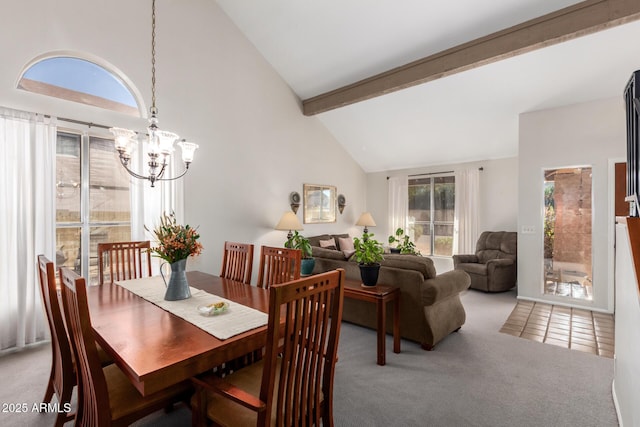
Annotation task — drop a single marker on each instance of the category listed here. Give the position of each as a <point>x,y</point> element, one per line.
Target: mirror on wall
<point>567,232</point>
<point>319,203</point>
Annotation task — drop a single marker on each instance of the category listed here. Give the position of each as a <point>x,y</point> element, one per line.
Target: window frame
<point>81,97</point>
<point>85,224</point>
<point>432,223</point>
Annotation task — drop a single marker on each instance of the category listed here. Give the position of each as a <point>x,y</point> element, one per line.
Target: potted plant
<point>368,254</point>
<point>298,241</point>
<point>176,242</point>
<point>403,243</point>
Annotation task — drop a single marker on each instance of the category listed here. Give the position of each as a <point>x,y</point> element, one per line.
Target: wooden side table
<point>380,295</point>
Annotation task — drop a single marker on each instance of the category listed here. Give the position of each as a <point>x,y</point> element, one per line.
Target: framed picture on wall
<point>319,203</point>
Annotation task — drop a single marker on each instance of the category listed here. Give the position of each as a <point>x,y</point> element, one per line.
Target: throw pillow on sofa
<point>328,244</point>
<point>346,246</point>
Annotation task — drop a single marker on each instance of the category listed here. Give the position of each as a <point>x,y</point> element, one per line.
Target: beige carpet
<point>476,377</point>
<point>572,328</point>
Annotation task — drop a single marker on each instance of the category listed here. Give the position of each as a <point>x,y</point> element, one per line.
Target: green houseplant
<point>368,254</point>
<point>403,243</point>
<point>298,241</point>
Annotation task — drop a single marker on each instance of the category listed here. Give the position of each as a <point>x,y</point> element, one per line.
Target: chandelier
<point>160,143</point>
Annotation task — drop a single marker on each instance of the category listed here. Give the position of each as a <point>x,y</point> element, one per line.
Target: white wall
<point>98,30</point>
<point>213,88</point>
<point>260,149</point>
<point>498,210</point>
<point>577,135</point>
<point>626,383</point>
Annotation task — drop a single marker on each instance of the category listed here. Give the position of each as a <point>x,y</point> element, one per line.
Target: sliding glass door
<point>92,200</point>
<point>431,214</point>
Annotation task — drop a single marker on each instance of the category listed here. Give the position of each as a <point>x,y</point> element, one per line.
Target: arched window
<point>93,197</point>
<point>82,81</point>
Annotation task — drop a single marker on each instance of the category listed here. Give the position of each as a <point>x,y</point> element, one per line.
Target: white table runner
<point>235,320</point>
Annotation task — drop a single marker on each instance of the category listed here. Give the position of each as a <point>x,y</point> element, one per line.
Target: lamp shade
<point>188,148</point>
<point>289,221</point>
<point>366,220</point>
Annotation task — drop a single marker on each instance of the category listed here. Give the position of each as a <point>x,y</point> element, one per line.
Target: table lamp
<point>367,221</point>
<point>290,222</point>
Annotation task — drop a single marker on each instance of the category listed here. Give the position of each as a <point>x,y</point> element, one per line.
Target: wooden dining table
<point>157,349</point>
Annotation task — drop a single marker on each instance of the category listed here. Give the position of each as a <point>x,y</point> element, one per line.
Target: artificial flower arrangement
<point>175,241</point>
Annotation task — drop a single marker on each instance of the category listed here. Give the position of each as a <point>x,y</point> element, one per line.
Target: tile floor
<point>569,289</point>
<point>573,328</point>
<point>568,279</point>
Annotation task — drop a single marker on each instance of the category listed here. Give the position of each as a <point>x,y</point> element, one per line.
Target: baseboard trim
<point>615,400</point>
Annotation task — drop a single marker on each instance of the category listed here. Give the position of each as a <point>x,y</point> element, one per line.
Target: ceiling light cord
<point>154,110</point>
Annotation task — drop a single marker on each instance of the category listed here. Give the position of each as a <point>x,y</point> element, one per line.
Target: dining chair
<point>293,384</point>
<point>62,379</point>
<point>124,260</point>
<point>278,265</point>
<point>237,265</point>
<point>106,397</point>
<point>237,262</point>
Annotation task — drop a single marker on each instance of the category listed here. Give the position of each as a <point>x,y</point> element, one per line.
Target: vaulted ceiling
<point>318,47</point>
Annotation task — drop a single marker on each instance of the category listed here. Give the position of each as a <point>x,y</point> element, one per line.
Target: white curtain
<point>398,203</point>
<point>466,211</point>
<point>148,204</point>
<point>27,222</point>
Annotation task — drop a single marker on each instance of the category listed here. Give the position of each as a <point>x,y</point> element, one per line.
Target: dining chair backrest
<point>304,350</point>
<point>93,394</point>
<point>106,397</point>
<point>63,377</point>
<point>278,265</point>
<point>124,260</point>
<point>237,262</point>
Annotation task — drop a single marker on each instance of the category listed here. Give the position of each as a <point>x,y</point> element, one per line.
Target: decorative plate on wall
<point>294,200</point>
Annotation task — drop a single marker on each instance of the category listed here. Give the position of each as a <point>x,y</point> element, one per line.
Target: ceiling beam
<point>565,24</point>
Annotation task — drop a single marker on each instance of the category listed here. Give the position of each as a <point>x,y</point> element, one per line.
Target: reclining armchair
<point>493,268</point>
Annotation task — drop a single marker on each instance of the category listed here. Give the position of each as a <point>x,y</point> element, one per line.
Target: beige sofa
<point>430,306</point>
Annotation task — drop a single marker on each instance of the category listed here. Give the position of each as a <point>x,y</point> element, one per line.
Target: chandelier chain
<point>160,142</point>
<point>153,55</point>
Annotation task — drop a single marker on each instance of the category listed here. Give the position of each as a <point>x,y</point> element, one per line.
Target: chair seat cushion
<point>474,268</point>
<point>225,412</point>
